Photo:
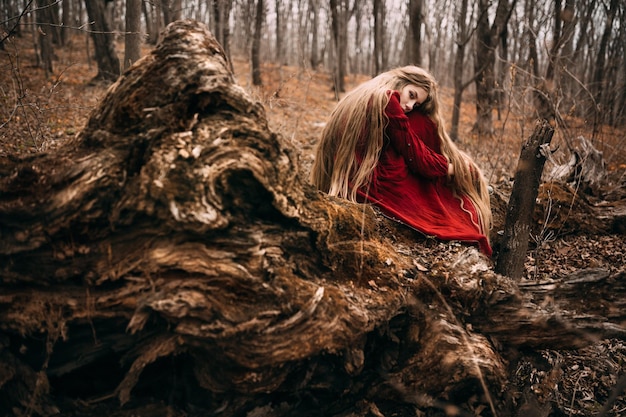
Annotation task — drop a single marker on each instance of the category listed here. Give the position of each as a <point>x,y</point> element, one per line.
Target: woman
<point>385,144</point>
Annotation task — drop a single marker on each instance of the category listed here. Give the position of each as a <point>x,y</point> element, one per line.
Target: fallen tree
<point>171,260</point>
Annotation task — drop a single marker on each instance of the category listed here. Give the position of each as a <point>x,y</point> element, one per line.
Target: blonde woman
<point>385,144</point>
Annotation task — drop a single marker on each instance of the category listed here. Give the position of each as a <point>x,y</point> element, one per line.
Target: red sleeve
<point>419,158</point>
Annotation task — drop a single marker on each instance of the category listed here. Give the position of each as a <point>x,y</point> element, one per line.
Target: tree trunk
<point>562,49</point>
<point>620,116</point>
<point>531,35</point>
<point>45,23</point>
<point>459,64</point>
<point>415,32</point>
<point>339,19</point>
<point>226,33</point>
<point>599,81</point>
<point>150,38</point>
<point>132,37</point>
<point>155,20</point>
<point>280,33</point>
<point>315,57</point>
<point>521,205</point>
<point>66,20</point>
<point>378,36</point>
<point>171,10</point>
<point>356,63</point>
<point>103,39</point>
<point>484,65</point>
<point>170,260</point>
<point>255,52</point>
<point>220,26</point>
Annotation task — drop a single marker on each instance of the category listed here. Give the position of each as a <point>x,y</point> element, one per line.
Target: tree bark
<point>255,52</point>
<point>171,250</point>
<point>103,40</point>
<point>315,57</point>
<point>415,33</point>
<point>599,82</point>
<point>280,31</point>
<point>521,205</point>
<point>151,24</point>
<point>45,23</point>
<point>339,25</point>
<point>66,21</point>
<point>484,64</point>
<point>459,63</point>
<point>221,27</point>
<point>171,10</point>
<point>132,37</point>
<point>379,34</point>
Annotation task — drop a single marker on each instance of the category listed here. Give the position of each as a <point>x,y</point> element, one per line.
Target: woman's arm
<point>419,158</point>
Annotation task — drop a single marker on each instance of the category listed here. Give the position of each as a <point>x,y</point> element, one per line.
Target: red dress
<point>409,184</point>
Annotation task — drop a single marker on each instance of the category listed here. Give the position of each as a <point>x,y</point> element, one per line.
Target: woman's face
<point>411,96</point>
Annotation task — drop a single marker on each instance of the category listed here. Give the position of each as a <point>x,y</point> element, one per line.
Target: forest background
<point>501,64</point>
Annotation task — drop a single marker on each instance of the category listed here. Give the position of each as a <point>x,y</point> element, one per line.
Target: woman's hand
<point>394,109</point>
<point>468,162</point>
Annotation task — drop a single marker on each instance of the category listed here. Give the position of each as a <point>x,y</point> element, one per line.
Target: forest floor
<point>39,112</point>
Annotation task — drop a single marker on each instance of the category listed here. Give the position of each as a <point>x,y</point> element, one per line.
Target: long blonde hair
<point>358,122</point>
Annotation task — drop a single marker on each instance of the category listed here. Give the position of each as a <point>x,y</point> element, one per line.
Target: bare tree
<point>565,58</point>
<point>484,64</point>
<point>303,16</point>
<point>314,6</point>
<point>620,90</point>
<point>599,82</point>
<point>280,30</point>
<point>340,15</point>
<point>379,36</point>
<point>463,37</point>
<point>106,57</point>
<point>132,36</point>
<point>66,20</point>
<point>171,10</point>
<point>415,31</point>
<point>585,21</point>
<point>221,12</point>
<point>532,63</point>
<point>548,89</point>
<point>45,23</point>
<point>255,51</point>
<point>355,61</point>
<point>154,19</point>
